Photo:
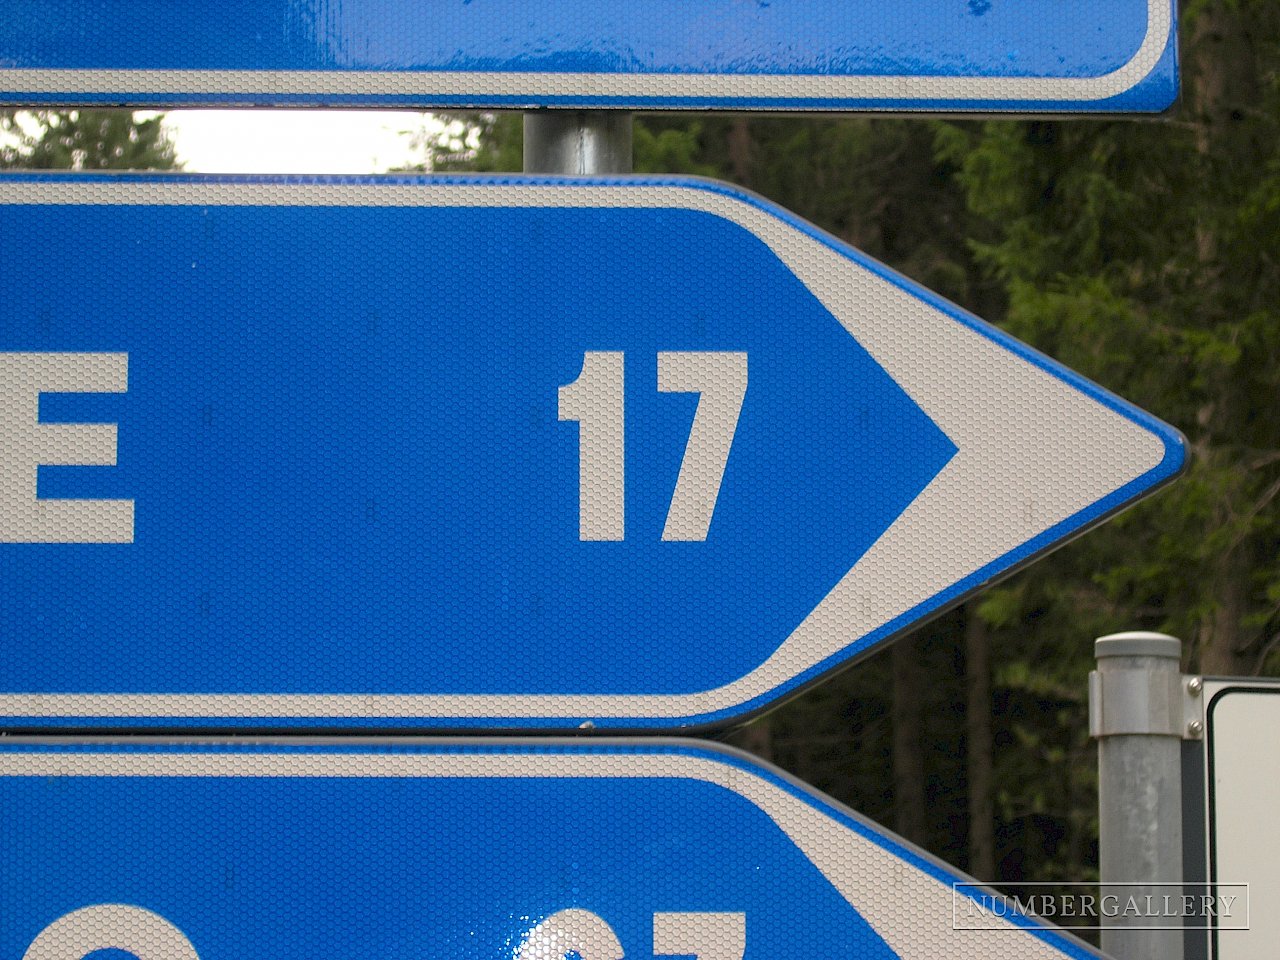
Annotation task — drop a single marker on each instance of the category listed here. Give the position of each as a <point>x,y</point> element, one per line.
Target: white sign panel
<point>1242,764</point>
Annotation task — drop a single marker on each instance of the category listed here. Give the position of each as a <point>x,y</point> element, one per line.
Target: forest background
<point>1144,253</point>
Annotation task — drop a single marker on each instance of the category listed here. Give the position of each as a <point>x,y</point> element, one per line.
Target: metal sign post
<point>1136,710</point>
<point>577,143</point>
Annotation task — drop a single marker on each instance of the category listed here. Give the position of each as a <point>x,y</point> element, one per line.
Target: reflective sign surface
<point>478,453</point>
<point>947,55</point>
<point>491,851</point>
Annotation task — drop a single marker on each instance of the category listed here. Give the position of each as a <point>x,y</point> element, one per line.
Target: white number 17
<point>596,401</point>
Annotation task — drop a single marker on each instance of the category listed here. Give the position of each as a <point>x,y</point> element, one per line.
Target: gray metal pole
<point>1136,712</point>
<point>577,143</point>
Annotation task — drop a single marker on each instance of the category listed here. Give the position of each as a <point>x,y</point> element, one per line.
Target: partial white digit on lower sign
<point>111,926</point>
<point>707,936</point>
<point>574,931</point>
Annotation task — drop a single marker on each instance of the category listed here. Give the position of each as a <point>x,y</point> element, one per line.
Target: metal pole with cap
<point>1136,712</point>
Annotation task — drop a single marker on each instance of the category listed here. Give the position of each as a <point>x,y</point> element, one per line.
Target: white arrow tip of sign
<point>1038,457</point>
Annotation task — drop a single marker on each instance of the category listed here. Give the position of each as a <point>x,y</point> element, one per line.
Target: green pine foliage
<point>475,143</point>
<point>84,140</point>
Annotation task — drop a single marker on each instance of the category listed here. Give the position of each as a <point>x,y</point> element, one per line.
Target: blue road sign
<point>470,850</point>
<point>940,55</point>
<point>476,453</point>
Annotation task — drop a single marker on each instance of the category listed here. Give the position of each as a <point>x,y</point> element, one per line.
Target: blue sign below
<point>477,453</point>
<point>474,851</point>
<point>939,55</point>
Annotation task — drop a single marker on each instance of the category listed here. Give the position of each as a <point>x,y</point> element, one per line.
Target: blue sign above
<point>940,55</point>
<point>477,453</point>
<point>473,851</point>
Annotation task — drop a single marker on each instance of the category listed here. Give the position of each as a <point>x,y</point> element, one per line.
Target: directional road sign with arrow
<point>476,453</point>
<point>939,55</point>
<point>527,851</point>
